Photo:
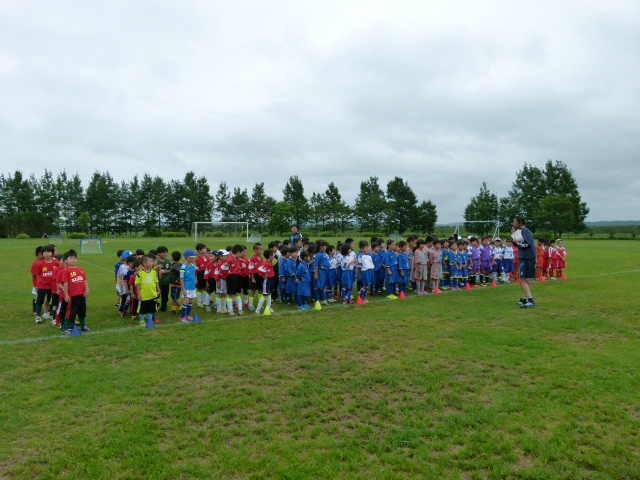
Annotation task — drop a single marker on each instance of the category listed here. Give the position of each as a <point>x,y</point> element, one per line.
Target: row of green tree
<point>548,198</point>
<point>34,205</point>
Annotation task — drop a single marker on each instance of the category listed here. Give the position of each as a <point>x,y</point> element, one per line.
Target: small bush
<point>77,235</point>
<point>23,236</point>
<point>368,235</point>
<point>175,234</point>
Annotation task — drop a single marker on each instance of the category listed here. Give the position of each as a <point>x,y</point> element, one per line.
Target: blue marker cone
<point>76,331</point>
<point>150,323</point>
<point>196,319</point>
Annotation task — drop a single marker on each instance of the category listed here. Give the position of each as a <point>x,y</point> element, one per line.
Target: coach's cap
<point>126,254</point>
<point>497,239</point>
<point>222,253</point>
<point>190,253</point>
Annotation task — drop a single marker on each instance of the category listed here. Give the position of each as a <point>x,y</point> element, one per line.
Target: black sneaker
<point>528,304</point>
<point>522,301</point>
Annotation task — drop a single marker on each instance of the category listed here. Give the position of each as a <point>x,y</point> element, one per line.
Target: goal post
<point>496,230</point>
<point>91,245</point>
<point>200,230</point>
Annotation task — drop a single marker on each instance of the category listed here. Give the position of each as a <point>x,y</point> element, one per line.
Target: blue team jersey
<point>188,273</point>
<point>382,257</point>
<point>376,261</point>
<point>322,261</point>
<point>403,262</point>
<point>392,258</point>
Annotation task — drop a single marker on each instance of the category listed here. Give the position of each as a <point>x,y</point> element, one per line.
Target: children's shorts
<point>147,306</point>
<point>191,293</point>
<point>367,277</point>
<point>268,285</point>
<point>201,283</point>
<point>234,284</point>
<point>175,292</point>
<point>223,287</point>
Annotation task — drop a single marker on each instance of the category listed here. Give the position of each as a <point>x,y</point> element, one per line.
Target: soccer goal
<point>91,245</point>
<point>200,230</point>
<point>496,230</point>
<point>255,237</point>
<point>56,239</point>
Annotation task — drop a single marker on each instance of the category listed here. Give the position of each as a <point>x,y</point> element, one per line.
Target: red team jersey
<point>76,278</point>
<point>59,279</point>
<point>266,269</point>
<point>254,264</point>
<point>34,271</point>
<point>233,265</point>
<point>244,266</point>
<point>46,272</point>
<point>202,263</point>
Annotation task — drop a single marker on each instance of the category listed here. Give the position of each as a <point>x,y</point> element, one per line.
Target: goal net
<point>201,230</point>
<point>56,239</point>
<point>91,245</point>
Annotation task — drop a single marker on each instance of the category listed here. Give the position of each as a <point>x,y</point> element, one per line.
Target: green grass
<point>464,385</point>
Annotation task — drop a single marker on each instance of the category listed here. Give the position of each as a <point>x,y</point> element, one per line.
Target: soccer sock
<point>299,300</point>
<point>229,304</point>
<point>207,300</point>
<point>239,301</point>
<point>269,302</point>
<point>260,302</point>
<point>189,309</point>
<point>344,295</point>
<point>38,309</point>
<point>183,311</point>
<point>350,294</point>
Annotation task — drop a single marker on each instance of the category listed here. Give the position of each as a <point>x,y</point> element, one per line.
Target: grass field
<point>462,385</point>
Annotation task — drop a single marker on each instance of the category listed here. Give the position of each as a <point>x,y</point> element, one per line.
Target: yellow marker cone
<point>318,306</point>
<point>267,312</point>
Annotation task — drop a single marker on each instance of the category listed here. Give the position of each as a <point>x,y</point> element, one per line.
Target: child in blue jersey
<point>291,267</point>
<point>382,260</point>
<point>303,281</point>
<point>348,273</point>
<point>333,272</point>
<point>465,261</point>
<point>404,267</point>
<point>454,262</point>
<point>365,270</point>
<point>391,273</point>
<point>445,264</point>
<point>375,248</point>
<point>282,272</point>
<point>188,282</point>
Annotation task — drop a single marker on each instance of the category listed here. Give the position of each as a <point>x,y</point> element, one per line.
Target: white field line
<point>98,266</point>
<point>221,318</point>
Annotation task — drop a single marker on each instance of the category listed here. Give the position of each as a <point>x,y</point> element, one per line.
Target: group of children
<point>297,271</point>
<point>60,289</point>
<point>551,259</point>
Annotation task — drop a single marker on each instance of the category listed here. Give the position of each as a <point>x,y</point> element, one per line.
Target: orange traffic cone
<point>359,302</point>
<point>543,279</point>
<point>402,296</point>
<point>436,291</point>
<point>518,281</point>
<point>467,286</point>
<point>564,276</point>
<point>494,284</point>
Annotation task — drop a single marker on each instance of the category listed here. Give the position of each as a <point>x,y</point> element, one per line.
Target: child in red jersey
<point>76,291</point>
<point>256,280</point>
<point>46,282</point>
<point>209,276</point>
<point>202,265</point>
<point>562,259</point>
<point>539,258</point>
<point>34,278</point>
<point>266,272</point>
<point>245,277</point>
<point>234,280</point>
<point>59,287</point>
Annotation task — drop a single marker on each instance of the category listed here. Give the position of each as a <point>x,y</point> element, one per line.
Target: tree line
<point>548,198</point>
<point>61,203</point>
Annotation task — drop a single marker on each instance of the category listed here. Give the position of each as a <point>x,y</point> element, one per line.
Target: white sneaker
<point>38,319</point>
<point>46,316</point>
<point>53,322</point>
<point>240,312</point>
<point>231,313</point>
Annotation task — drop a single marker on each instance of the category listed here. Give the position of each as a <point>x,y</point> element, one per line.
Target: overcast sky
<point>445,94</point>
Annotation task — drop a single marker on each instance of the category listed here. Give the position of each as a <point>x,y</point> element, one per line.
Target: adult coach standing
<point>523,237</point>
